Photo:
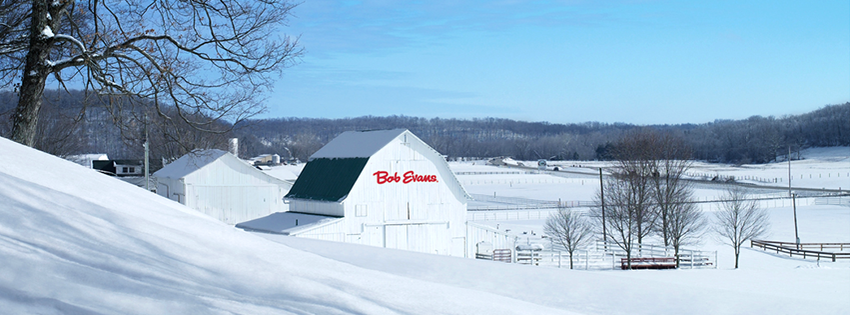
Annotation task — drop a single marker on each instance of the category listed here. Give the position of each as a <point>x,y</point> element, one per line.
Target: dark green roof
<point>327,179</point>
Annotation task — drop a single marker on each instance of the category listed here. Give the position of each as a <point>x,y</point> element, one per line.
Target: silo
<point>234,146</point>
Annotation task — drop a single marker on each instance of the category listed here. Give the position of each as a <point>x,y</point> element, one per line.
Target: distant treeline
<point>753,140</point>
<point>66,129</point>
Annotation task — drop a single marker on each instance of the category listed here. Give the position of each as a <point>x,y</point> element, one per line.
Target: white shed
<point>382,188</point>
<point>222,186</point>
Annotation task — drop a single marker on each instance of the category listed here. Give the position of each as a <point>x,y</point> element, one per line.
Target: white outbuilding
<point>222,186</point>
<point>382,188</point>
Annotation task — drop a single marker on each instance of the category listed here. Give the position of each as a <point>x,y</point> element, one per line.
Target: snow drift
<point>75,241</point>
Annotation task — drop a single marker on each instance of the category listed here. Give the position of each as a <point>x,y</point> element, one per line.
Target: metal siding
<point>232,191</point>
<point>317,207</point>
<point>427,202</point>
<point>435,222</point>
<point>329,232</point>
<point>167,188</point>
<point>480,233</point>
<point>327,179</point>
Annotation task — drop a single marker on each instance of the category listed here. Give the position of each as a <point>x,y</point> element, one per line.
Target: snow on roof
<point>86,159</point>
<point>357,144</point>
<point>280,172</point>
<point>284,222</point>
<point>189,163</point>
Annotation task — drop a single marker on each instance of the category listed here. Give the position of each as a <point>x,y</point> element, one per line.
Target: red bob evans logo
<point>407,178</point>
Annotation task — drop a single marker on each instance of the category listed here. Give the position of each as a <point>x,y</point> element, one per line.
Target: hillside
<point>74,241</point>
<point>109,247</point>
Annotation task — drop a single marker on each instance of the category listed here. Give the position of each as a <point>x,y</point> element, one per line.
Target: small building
<point>119,167</point>
<point>382,188</point>
<point>87,159</point>
<point>266,159</point>
<point>222,186</point>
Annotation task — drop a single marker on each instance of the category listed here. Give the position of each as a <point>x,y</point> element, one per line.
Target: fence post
<point>586,260</point>
<point>693,257</point>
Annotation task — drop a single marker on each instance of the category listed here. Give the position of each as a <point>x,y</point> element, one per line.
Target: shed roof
<point>285,222</point>
<point>357,144</point>
<point>189,163</point>
<point>327,179</point>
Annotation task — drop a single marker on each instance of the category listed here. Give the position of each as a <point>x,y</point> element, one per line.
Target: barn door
<point>396,237</point>
<point>373,236</point>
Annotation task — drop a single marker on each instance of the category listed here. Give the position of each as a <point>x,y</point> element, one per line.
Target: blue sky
<point>640,62</point>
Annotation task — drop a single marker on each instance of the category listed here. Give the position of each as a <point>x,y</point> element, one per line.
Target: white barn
<point>222,186</point>
<point>382,188</point>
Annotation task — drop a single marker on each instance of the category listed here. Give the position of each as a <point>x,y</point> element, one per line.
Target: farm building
<point>119,167</point>
<point>382,188</point>
<point>222,186</point>
<point>87,159</point>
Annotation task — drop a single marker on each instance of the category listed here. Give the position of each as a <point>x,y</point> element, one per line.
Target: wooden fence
<point>793,249</point>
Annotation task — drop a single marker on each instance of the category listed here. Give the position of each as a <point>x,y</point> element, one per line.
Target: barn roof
<point>189,163</point>
<point>357,144</point>
<point>332,171</point>
<point>327,179</point>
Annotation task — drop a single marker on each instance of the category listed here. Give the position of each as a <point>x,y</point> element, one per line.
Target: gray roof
<point>284,222</point>
<point>189,163</point>
<point>357,144</point>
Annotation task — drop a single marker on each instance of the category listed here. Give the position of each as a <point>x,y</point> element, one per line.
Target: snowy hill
<point>75,241</point>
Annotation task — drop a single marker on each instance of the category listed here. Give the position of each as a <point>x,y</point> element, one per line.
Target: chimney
<point>234,146</point>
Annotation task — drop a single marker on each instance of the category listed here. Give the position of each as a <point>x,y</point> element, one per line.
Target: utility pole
<point>794,203</point>
<point>789,172</point>
<point>602,200</point>
<point>147,157</point>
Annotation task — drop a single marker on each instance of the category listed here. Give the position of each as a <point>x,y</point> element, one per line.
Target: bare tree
<point>569,230</point>
<point>670,191</point>
<point>210,61</point>
<point>620,216</point>
<point>637,163</point>
<point>739,219</point>
<point>685,224</point>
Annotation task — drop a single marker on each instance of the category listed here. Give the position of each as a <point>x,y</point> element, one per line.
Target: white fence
<point>541,211</point>
<point>604,256</point>
<point>509,215</point>
<point>688,258</point>
<point>522,181</point>
<point>582,259</point>
<point>838,201</point>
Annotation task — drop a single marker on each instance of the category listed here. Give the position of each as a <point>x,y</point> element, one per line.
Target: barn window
<point>360,210</point>
<point>124,170</point>
<point>132,169</point>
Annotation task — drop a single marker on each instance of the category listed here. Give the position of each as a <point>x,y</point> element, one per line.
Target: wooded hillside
<point>68,129</point>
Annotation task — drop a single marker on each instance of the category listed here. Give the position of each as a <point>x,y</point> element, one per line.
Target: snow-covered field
<point>74,241</point>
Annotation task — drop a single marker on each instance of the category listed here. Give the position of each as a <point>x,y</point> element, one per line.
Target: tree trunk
<point>737,252</point>
<point>676,254</point>
<point>25,119</point>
